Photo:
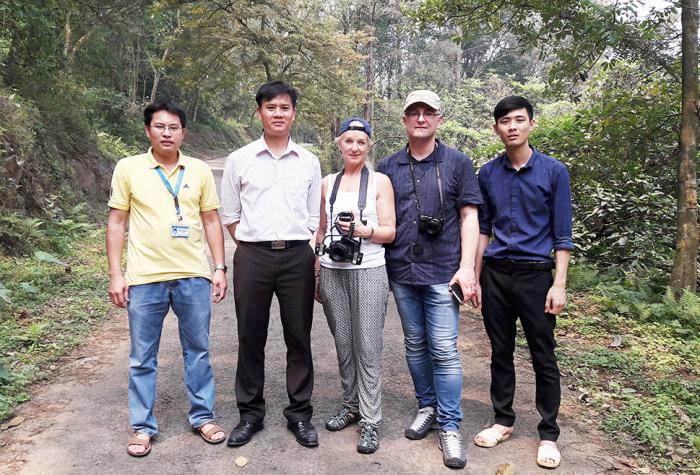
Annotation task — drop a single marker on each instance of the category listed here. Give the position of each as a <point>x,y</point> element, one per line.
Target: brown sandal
<point>207,434</point>
<point>136,440</point>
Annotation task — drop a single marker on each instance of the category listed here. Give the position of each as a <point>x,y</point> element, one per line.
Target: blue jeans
<point>190,300</point>
<point>430,318</point>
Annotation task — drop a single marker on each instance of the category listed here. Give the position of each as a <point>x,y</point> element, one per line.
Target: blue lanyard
<point>170,188</point>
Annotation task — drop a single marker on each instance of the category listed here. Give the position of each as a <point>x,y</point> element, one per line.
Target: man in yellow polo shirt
<point>169,201</point>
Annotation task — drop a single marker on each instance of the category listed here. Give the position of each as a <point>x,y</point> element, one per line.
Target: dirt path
<point>78,422</point>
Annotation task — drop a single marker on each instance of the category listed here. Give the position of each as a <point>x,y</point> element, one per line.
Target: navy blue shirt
<point>528,211</point>
<point>441,253</point>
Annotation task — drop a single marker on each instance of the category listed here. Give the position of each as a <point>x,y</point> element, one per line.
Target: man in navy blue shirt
<point>527,211</point>
<point>437,231</point>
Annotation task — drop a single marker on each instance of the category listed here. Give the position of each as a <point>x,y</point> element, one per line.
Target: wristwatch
<point>222,267</point>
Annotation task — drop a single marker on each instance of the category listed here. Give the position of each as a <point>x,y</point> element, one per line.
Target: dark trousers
<point>506,296</point>
<point>289,274</point>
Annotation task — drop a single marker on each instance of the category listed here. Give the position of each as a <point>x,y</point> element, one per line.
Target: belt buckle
<point>277,245</point>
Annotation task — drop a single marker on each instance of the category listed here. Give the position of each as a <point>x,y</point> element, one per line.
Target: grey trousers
<point>355,301</point>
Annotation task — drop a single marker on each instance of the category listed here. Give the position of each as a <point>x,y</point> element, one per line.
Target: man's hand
<point>317,289</point>
<point>476,299</point>
<point>118,291</point>
<point>466,280</point>
<point>218,285</point>
<point>556,299</point>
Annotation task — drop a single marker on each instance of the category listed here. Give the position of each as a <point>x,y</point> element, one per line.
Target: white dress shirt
<point>271,198</point>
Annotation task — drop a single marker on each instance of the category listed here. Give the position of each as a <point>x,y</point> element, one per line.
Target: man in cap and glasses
<point>437,231</point>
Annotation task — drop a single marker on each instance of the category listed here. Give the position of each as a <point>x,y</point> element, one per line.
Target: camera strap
<point>411,166</point>
<point>361,198</point>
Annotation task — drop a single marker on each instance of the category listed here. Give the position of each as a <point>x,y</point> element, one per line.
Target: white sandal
<point>490,438</point>
<point>548,456</point>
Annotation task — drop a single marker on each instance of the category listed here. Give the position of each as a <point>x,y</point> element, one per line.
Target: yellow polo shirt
<point>153,255</point>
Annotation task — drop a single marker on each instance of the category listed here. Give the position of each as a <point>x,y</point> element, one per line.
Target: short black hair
<point>511,103</point>
<point>164,105</point>
<point>272,89</point>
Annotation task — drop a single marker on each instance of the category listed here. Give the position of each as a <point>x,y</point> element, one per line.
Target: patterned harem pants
<point>355,301</point>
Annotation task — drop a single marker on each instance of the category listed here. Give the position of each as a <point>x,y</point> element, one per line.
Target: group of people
<point>422,226</point>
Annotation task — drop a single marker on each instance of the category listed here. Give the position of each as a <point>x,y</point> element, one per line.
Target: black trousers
<point>506,296</point>
<point>289,274</point>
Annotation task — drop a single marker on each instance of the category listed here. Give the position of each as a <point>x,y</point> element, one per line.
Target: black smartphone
<point>457,292</point>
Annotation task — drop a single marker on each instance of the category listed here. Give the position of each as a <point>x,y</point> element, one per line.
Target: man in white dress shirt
<point>271,194</point>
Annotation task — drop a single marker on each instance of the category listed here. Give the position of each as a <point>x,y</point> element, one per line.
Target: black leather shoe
<point>304,432</point>
<point>243,432</point>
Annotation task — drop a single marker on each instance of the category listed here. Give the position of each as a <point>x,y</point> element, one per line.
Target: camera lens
<point>339,252</point>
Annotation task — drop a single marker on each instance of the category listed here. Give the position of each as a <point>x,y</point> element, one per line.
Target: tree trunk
<point>196,106</point>
<point>684,272</point>
<point>157,73</point>
<point>368,108</point>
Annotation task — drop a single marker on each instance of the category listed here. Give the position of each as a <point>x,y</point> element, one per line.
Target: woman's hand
<point>359,230</point>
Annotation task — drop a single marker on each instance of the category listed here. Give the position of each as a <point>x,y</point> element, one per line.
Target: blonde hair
<point>369,139</point>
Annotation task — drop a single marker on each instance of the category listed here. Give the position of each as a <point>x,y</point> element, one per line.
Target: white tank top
<point>372,253</point>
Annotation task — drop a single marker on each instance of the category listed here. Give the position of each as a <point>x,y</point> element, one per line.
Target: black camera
<point>346,249</point>
<point>430,225</point>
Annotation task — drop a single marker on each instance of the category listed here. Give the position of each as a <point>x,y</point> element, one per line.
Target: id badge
<point>179,230</point>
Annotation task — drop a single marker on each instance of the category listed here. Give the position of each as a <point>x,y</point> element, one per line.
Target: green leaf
<point>5,293</point>
<point>5,375</point>
<point>696,442</point>
<point>46,257</point>
<point>29,288</point>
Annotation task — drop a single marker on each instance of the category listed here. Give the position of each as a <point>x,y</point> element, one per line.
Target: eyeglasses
<point>161,128</point>
<point>426,115</point>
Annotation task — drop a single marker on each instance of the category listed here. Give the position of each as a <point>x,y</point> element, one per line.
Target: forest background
<point>605,78</point>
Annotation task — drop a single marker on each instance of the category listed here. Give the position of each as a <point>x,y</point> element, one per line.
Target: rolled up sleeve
<point>230,193</point>
<point>314,197</point>
<point>561,211</point>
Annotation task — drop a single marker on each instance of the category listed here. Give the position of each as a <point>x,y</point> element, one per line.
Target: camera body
<point>430,225</point>
<point>346,249</point>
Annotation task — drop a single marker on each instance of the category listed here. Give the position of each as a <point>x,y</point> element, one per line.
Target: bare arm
<point>469,237</point>
<point>386,231</point>
<point>556,297</point>
<point>116,229</point>
<point>320,235</point>
<point>215,240</point>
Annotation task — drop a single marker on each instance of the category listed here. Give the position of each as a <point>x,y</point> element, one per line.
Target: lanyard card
<point>179,230</point>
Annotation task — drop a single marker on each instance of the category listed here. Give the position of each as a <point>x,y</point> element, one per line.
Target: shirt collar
<point>152,163</point>
<point>534,158</point>
<point>403,158</point>
<point>261,146</point>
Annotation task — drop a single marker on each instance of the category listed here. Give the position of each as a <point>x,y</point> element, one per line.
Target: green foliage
<point>645,391</point>
<point>52,302</point>
<point>113,147</point>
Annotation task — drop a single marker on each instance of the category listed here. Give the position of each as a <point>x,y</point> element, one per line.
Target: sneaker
<point>340,421</point>
<point>369,439</point>
<point>453,455</point>
<point>424,421</point>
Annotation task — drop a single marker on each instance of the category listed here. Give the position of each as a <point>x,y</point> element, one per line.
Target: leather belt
<point>512,265</point>
<point>276,245</point>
